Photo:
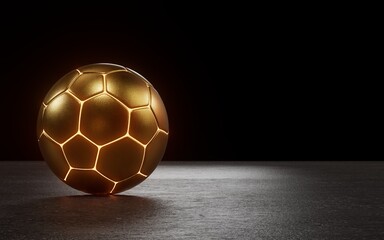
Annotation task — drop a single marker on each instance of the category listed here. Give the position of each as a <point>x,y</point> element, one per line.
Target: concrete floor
<point>201,200</point>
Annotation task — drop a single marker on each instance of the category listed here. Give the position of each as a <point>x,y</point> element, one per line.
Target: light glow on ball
<point>102,128</point>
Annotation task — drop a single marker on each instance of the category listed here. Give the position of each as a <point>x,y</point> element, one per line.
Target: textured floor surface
<point>201,200</point>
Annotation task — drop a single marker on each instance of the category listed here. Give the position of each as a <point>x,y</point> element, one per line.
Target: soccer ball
<point>102,128</point>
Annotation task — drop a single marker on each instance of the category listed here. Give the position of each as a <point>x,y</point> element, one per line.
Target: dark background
<point>255,82</point>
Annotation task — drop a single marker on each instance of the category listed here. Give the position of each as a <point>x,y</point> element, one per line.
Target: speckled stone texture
<point>201,200</point>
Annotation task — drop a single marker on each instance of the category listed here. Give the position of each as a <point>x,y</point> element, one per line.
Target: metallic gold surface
<point>102,128</point>
<point>87,85</point>
<point>143,125</point>
<point>61,117</point>
<point>80,153</point>
<point>103,119</point>
<point>139,94</point>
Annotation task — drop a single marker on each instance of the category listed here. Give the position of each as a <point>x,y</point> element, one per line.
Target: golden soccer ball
<point>102,128</point>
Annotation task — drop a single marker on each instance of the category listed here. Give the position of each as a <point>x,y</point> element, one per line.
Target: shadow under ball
<point>102,128</point>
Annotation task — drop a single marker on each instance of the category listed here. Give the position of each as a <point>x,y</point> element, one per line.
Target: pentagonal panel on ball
<point>53,156</point>
<point>129,88</point>
<point>103,119</point>
<point>61,117</point>
<point>158,108</point>
<point>80,152</point>
<point>87,85</point>
<point>89,181</point>
<point>143,125</point>
<point>121,159</point>
<point>154,152</point>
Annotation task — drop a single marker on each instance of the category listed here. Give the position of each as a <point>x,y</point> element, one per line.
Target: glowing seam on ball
<point>72,81</point>
<point>43,111</point>
<point>104,82</point>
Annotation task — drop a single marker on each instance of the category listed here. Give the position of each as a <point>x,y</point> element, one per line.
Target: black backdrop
<point>239,82</point>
